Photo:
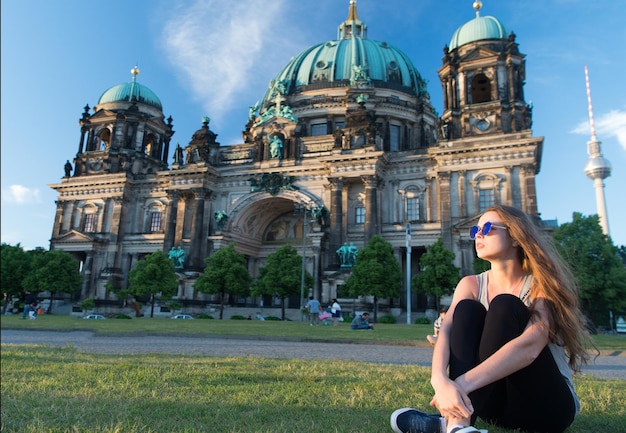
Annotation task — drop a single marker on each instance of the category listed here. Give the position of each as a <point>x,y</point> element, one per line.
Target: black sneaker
<point>409,420</point>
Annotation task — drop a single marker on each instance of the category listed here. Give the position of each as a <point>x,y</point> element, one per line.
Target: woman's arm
<point>513,356</point>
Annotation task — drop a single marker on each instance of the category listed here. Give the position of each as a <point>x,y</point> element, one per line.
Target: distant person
<point>313,306</point>
<point>29,299</point>
<point>32,311</point>
<point>432,339</point>
<point>361,321</point>
<point>335,311</point>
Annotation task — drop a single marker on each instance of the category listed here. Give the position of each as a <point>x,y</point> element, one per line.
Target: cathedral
<point>344,145</point>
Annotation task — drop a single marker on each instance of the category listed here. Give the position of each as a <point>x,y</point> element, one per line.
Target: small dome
<point>478,29</point>
<point>128,91</point>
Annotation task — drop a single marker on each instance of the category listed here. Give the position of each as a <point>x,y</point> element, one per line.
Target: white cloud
<point>219,45</point>
<point>20,194</point>
<point>609,125</point>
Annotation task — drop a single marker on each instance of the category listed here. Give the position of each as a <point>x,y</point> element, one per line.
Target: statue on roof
<point>252,110</point>
<point>68,168</point>
<point>178,154</point>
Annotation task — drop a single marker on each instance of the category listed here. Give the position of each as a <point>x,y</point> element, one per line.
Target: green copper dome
<point>478,29</point>
<point>129,91</point>
<point>349,60</point>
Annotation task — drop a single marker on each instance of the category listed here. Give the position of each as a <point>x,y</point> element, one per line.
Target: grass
<point>47,389</point>
<point>385,333</point>
<point>400,334</point>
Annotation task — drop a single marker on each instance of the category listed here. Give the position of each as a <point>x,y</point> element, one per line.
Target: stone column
<point>336,218</point>
<point>461,186</point>
<point>509,185</point>
<point>371,207</point>
<point>170,219</point>
<point>58,219</point>
<point>529,191</point>
<point>444,206</point>
<point>118,229</point>
<point>84,290</point>
<point>198,231</point>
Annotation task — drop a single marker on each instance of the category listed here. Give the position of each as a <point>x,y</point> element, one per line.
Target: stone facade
<point>364,156</point>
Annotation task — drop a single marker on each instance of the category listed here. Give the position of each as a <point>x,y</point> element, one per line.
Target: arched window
<point>154,216</point>
<point>413,203</point>
<point>481,89</point>
<point>486,190</point>
<point>89,217</point>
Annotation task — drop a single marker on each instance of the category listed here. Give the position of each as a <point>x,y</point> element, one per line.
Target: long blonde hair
<point>553,281</point>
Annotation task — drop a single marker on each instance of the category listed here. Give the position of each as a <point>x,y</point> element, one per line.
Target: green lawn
<point>396,334</point>
<point>47,389</point>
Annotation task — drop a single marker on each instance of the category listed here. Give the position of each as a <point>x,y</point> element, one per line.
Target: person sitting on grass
<point>361,321</point>
<point>511,340</point>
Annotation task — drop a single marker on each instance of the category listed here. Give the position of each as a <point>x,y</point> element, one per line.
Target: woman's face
<point>497,243</point>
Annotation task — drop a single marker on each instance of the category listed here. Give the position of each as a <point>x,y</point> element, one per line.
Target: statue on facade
<point>320,214</point>
<point>347,255</point>
<point>220,218</point>
<point>177,255</point>
<point>276,147</point>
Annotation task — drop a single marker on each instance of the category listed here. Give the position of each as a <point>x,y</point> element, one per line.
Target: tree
<point>15,267</point>
<point>281,276</point>
<point>152,276</point>
<point>439,276</point>
<point>226,273</point>
<point>596,264</point>
<point>376,273</point>
<point>479,265</point>
<point>53,271</point>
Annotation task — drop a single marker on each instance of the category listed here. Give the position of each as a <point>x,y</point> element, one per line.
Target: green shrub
<point>204,316</point>
<point>88,304</point>
<point>121,316</point>
<point>237,317</point>
<point>423,321</point>
<point>272,318</point>
<point>387,319</point>
<point>175,305</point>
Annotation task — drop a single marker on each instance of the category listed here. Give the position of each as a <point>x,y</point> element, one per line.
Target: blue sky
<point>216,58</point>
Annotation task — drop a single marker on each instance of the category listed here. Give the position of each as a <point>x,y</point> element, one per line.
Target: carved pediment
<point>74,237</point>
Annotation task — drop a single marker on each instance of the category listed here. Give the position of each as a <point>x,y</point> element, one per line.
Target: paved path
<point>608,366</point>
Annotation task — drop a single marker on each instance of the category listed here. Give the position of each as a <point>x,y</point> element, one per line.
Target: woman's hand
<point>452,401</point>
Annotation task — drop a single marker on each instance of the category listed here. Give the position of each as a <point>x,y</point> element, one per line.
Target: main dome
<point>350,58</point>
<point>478,29</point>
<point>129,91</point>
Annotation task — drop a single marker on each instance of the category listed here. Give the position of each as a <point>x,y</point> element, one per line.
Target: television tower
<point>597,168</point>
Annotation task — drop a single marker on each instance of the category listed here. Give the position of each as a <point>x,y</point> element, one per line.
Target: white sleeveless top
<point>558,352</point>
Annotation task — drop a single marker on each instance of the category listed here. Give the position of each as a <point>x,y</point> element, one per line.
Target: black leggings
<point>535,398</point>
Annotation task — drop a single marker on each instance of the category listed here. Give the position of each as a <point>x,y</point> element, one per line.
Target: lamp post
<point>301,209</point>
<point>408,273</point>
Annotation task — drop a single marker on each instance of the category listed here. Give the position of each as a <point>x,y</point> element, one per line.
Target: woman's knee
<point>469,309</point>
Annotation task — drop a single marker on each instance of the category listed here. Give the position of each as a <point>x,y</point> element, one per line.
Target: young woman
<point>335,310</point>
<point>511,339</point>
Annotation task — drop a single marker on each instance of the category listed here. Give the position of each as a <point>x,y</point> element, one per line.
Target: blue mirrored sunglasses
<point>485,229</point>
